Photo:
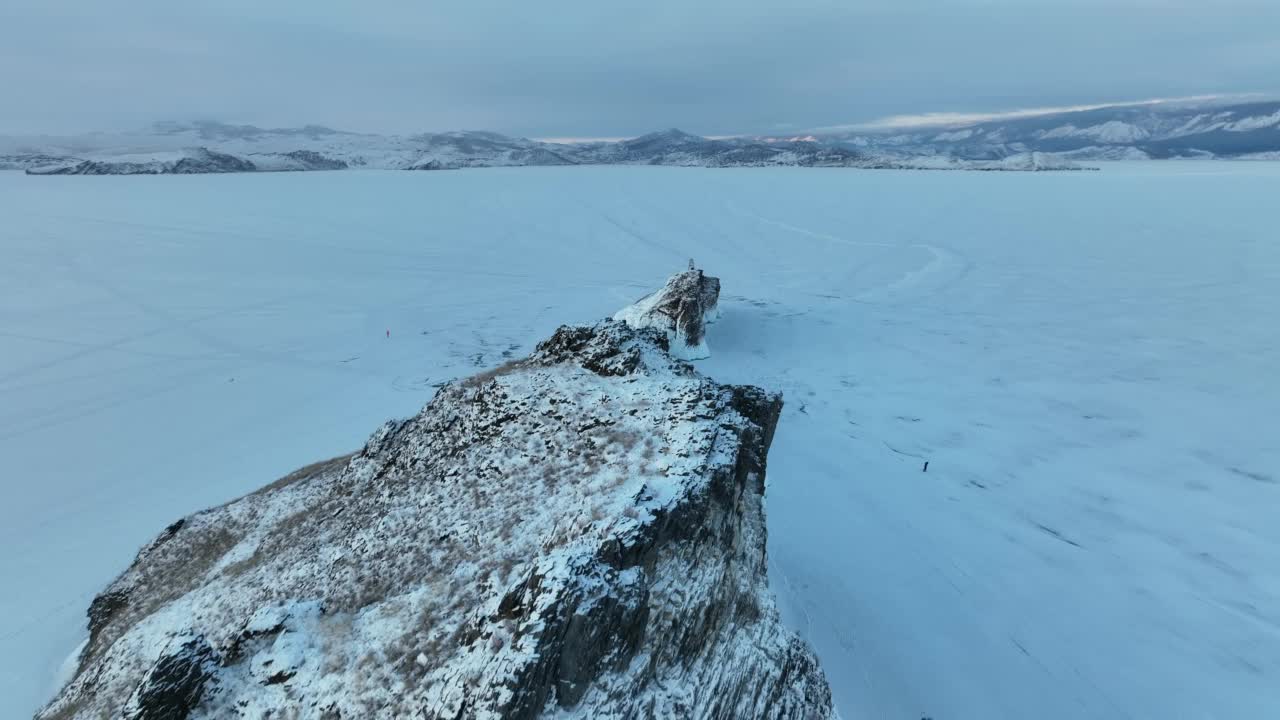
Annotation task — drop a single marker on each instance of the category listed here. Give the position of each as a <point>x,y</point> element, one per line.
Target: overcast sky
<point>602,68</point>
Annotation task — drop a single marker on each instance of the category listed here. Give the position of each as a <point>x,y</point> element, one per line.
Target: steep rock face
<point>578,534</point>
<point>681,308</point>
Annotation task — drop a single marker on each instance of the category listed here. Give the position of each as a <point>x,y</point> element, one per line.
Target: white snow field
<point>1089,362</point>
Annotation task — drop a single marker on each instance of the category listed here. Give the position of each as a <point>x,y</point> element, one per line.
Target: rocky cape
<point>577,534</point>
<point>682,308</point>
<point>174,148</point>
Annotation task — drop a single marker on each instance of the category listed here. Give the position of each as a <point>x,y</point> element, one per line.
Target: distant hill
<point>1152,131</point>
<point>171,147</point>
<point>209,147</point>
<point>1043,142</point>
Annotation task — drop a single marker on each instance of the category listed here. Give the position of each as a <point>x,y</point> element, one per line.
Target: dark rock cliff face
<point>682,307</point>
<point>175,683</point>
<point>577,534</point>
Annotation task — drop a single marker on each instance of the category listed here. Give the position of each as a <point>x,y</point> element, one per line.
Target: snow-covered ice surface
<point>1087,361</point>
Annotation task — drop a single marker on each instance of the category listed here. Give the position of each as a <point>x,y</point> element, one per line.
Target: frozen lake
<point>1089,362</point>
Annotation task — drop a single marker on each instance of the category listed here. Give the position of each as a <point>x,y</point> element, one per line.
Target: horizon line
<point>902,122</point>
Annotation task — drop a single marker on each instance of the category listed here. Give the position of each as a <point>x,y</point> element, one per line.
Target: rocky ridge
<point>1142,131</point>
<point>211,147</point>
<point>577,534</point>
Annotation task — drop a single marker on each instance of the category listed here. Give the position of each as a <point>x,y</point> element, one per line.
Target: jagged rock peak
<point>682,308</point>
<point>577,534</point>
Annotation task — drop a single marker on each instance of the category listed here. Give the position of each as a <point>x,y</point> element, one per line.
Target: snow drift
<point>576,534</point>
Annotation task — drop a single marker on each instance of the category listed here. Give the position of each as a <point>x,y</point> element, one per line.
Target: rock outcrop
<point>681,308</point>
<point>577,534</point>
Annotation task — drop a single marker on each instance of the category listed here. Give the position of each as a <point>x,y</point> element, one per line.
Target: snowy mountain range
<point>1123,132</point>
<point>1051,141</point>
<point>207,147</point>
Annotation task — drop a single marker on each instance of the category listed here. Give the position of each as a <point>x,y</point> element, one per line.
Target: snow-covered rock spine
<point>578,534</point>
